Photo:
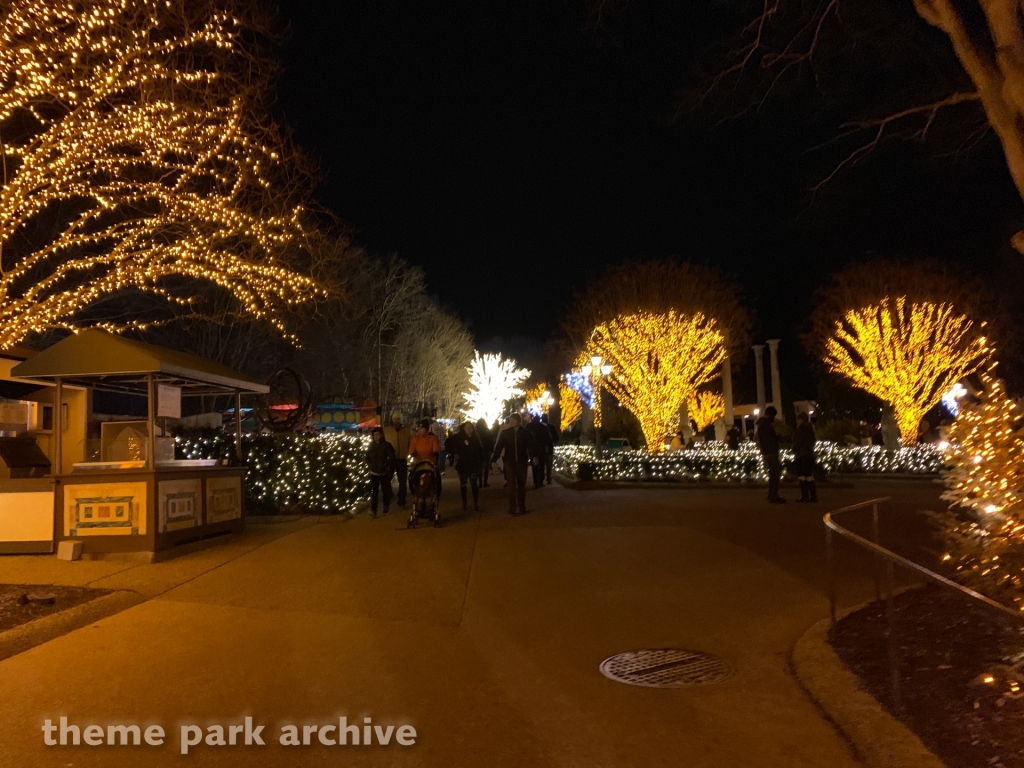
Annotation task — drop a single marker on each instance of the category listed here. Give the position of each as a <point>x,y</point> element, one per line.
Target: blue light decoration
<point>581,383</point>
<point>951,400</point>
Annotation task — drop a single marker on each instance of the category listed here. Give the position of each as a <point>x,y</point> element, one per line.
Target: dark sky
<point>512,155</point>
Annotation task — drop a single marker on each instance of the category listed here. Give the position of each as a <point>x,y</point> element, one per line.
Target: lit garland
<point>705,408</point>
<point>570,405</point>
<point>492,382</point>
<point>905,356</point>
<point>323,473</point>
<point>984,529</point>
<point>657,361</point>
<point>714,462</point>
<point>150,124</point>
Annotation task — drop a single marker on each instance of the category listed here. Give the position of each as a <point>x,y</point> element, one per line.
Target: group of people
<point>473,450</point>
<point>803,455</point>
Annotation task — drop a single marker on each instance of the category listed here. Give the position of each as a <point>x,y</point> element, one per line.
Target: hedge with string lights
<point>713,462</point>
<point>319,473</point>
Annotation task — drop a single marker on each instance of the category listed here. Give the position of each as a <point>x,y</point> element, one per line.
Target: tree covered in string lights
<point>493,381</point>
<point>984,529</point>
<point>658,360</point>
<point>570,404</point>
<point>659,286</point>
<point>905,354</point>
<point>705,408</point>
<point>139,155</point>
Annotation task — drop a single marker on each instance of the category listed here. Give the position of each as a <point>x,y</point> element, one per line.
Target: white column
<point>727,392</point>
<point>773,359</point>
<point>759,370</point>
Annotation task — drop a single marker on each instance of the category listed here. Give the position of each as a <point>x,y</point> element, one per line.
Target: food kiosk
<point>131,495</point>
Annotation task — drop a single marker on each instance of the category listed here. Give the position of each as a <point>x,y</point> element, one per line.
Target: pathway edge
<point>879,739</point>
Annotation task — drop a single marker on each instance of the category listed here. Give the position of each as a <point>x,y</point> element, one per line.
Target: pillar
<point>727,416</point>
<point>759,370</point>
<point>773,360</point>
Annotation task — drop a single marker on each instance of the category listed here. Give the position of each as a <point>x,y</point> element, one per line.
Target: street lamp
<point>596,371</point>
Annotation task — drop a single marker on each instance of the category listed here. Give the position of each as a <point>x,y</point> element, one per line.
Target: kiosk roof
<point>98,358</point>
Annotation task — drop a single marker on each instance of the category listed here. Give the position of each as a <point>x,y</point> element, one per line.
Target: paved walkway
<point>485,635</point>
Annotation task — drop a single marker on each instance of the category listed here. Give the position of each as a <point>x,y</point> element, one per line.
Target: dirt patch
<point>961,671</point>
<point>22,603</point>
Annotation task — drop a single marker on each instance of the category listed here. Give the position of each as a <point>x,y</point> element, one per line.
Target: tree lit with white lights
<point>493,381</point>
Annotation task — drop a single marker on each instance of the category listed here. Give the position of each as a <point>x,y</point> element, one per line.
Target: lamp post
<point>596,371</point>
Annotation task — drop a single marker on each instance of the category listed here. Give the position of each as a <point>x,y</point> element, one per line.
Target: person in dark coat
<point>768,444</point>
<point>732,438</point>
<point>803,453</point>
<point>380,459</point>
<point>549,458</point>
<point>486,437</point>
<point>469,457</point>
<point>516,448</point>
<point>542,441</point>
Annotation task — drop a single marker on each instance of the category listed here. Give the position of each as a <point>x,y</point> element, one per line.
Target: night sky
<point>512,153</point>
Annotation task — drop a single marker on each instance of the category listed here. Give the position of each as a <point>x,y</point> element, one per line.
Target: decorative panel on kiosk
<point>105,509</point>
<point>223,499</point>
<point>181,504</point>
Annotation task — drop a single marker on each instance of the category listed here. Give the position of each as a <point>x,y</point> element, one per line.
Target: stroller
<point>423,484</point>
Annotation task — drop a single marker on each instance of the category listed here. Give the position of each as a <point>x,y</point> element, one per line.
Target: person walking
<point>542,441</point>
<point>803,453</point>
<point>768,444</point>
<point>380,459</point>
<point>515,448</point>
<point>549,463</point>
<point>399,436</point>
<point>486,438</point>
<point>424,447</point>
<point>437,427</point>
<point>469,457</point>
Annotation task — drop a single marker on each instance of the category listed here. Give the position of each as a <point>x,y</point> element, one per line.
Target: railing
<point>890,559</point>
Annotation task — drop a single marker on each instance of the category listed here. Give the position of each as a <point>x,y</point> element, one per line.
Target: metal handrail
<point>832,525</point>
<point>890,559</point>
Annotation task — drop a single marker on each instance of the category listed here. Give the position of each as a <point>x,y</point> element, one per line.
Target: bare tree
<point>786,39</point>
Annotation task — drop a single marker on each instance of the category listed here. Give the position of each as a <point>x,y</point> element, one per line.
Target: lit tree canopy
<point>924,280</point>
<point>658,360</point>
<point>705,408</point>
<point>493,381</point>
<point>906,355</point>
<point>570,404</point>
<point>138,154</point>
<point>656,287</point>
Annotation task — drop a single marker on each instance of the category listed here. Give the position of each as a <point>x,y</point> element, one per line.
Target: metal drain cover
<point>665,668</point>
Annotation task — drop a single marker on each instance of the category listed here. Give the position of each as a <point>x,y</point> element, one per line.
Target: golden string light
<point>985,455</point>
<point>570,405</point>
<point>905,355</point>
<point>705,408</point>
<point>657,360</point>
<point>136,151</point>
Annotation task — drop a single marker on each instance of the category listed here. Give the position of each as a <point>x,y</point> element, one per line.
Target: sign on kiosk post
<point>168,401</point>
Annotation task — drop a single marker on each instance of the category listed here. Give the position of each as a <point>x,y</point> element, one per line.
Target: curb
<point>684,485</point>
<point>25,636</point>
<point>878,738</point>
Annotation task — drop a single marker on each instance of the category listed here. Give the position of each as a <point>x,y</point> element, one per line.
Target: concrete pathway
<point>485,635</point>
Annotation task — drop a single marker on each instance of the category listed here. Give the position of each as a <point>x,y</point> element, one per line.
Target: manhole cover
<point>665,668</point>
